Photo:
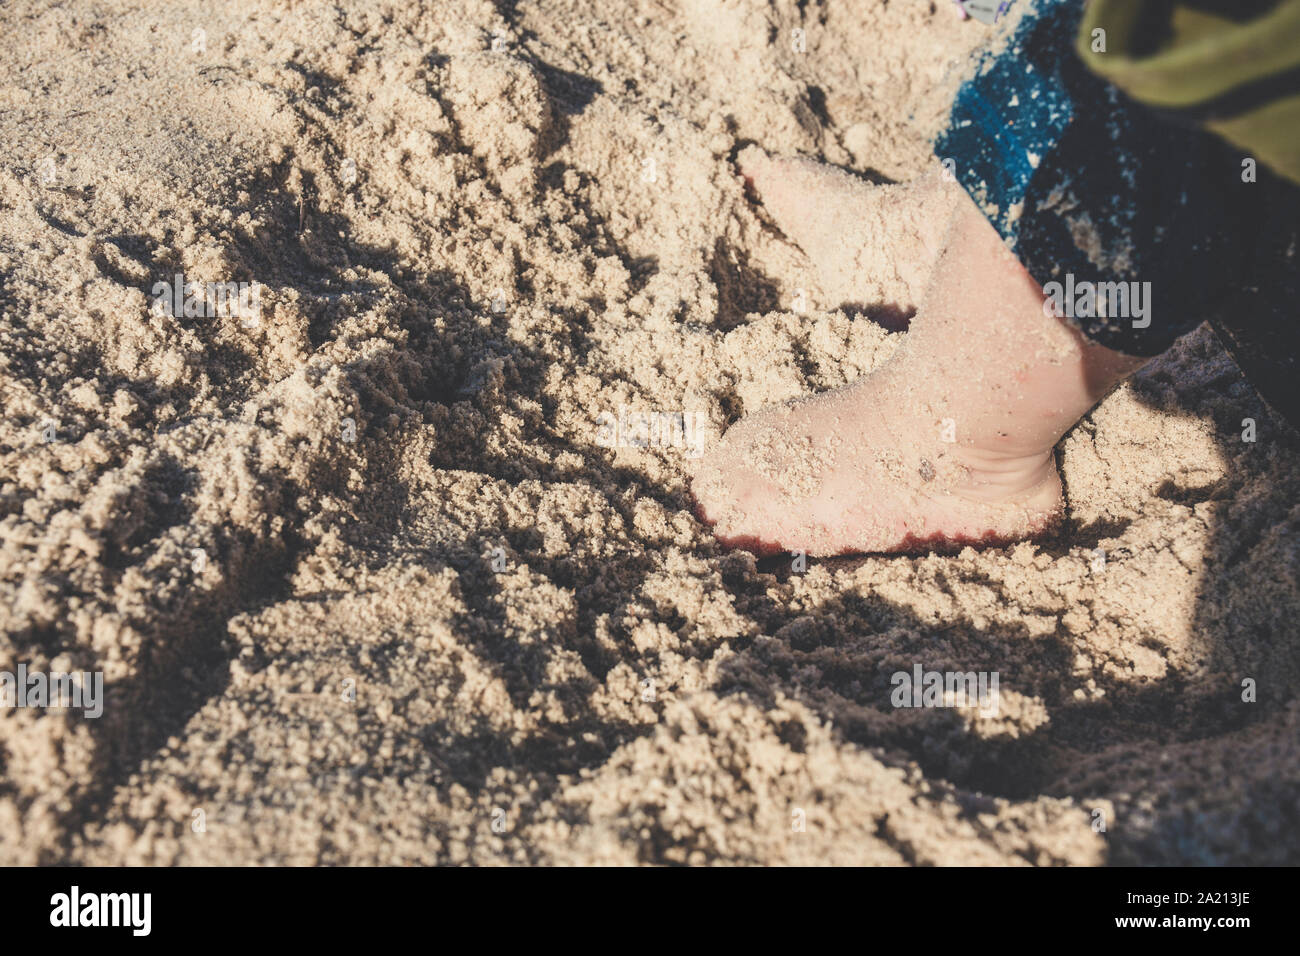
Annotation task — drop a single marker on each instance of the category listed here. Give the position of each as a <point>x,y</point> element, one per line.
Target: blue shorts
<point>1137,229</point>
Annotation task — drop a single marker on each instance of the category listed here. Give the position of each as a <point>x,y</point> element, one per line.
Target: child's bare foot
<point>860,469</point>
<point>951,441</point>
<point>874,246</point>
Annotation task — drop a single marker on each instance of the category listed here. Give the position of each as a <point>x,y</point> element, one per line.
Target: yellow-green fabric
<point>1207,63</point>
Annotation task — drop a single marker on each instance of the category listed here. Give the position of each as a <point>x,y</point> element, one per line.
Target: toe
<point>754,164</point>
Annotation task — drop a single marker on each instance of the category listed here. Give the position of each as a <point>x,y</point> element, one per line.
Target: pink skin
<point>949,442</point>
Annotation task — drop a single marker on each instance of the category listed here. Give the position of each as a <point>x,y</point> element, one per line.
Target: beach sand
<point>364,578</point>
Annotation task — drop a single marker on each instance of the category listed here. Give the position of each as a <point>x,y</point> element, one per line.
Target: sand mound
<point>367,582</point>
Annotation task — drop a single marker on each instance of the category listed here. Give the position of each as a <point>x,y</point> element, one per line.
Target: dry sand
<point>536,235</point>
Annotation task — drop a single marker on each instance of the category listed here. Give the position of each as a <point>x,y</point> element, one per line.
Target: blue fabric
<point>1001,125</point>
<point>1088,187</point>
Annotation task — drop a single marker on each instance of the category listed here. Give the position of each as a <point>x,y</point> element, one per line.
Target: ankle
<point>1000,474</point>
